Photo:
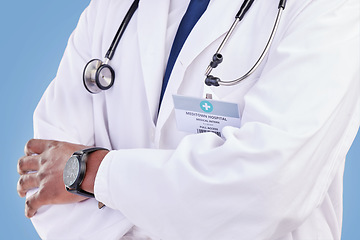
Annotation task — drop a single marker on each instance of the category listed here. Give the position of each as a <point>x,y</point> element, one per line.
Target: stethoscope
<point>218,58</point>
<point>99,75</point>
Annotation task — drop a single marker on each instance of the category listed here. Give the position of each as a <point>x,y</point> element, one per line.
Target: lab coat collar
<point>212,26</point>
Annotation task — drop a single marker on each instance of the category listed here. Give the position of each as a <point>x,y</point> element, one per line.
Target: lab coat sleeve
<point>70,119</point>
<point>265,178</point>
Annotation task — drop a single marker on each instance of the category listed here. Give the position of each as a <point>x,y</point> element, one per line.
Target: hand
<point>42,167</point>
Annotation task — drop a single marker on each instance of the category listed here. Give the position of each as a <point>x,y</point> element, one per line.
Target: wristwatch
<point>75,169</point>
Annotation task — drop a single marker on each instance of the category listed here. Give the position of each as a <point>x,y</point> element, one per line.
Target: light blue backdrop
<point>33,37</point>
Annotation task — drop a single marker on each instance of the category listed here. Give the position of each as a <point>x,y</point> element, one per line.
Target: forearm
<point>92,165</point>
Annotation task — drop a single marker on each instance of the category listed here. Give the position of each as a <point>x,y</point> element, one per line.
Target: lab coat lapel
<point>152,25</point>
<point>213,25</point>
<point>210,27</point>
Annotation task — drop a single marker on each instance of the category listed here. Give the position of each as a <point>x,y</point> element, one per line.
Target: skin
<point>42,167</point>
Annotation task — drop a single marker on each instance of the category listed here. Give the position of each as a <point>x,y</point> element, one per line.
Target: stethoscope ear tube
<point>282,4</point>
<point>244,8</point>
<point>215,81</point>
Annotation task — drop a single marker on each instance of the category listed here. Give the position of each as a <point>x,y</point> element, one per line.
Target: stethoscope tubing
<point>93,83</point>
<point>110,53</point>
<point>214,81</point>
<point>260,59</point>
<point>99,75</point>
<point>224,41</point>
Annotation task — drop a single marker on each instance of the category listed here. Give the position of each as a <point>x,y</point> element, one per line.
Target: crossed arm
<point>42,167</point>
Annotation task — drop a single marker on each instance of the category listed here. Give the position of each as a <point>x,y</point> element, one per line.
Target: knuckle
<point>29,144</point>
<point>41,176</point>
<point>20,188</point>
<point>21,183</point>
<point>51,147</point>
<point>42,160</point>
<point>28,204</point>
<point>52,144</point>
<point>28,208</point>
<point>20,165</point>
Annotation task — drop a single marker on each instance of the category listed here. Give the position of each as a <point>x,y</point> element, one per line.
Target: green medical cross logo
<point>206,106</point>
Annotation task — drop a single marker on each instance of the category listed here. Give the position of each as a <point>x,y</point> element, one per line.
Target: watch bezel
<point>81,157</point>
<point>81,172</point>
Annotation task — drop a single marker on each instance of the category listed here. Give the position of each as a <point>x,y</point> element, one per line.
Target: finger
<point>27,182</point>
<point>33,203</point>
<point>37,146</point>
<point>28,163</point>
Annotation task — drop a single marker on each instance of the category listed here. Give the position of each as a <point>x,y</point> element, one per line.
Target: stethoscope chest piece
<point>98,76</point>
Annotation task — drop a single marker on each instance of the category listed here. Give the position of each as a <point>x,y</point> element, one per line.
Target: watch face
<point>71,171</point>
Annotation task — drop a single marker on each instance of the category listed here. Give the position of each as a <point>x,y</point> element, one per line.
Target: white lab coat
<point>278,176</point>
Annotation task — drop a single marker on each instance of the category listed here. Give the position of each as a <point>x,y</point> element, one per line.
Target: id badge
<point>198,115</point>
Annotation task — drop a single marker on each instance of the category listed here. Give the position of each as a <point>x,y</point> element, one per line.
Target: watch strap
<point>89,150</point>
<point>80,192</point>
<point>85,194</point>
<point>82,153</point>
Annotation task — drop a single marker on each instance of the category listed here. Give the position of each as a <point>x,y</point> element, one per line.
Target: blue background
<point>33,37</point>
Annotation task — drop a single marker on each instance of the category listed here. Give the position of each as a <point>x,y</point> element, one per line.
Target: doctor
<point>278,175</point>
